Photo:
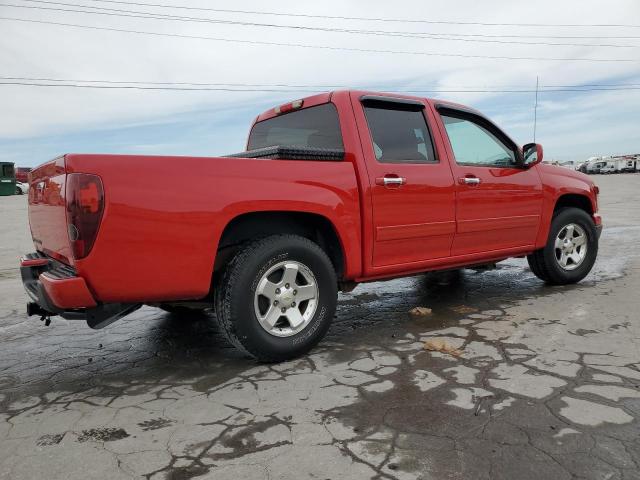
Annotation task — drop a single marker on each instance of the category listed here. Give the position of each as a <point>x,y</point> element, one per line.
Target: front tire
<point>277,297</point>
<point>571,249</point>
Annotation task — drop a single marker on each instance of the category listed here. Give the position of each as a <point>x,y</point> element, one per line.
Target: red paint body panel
<point>560,181</point>
<point>411,222</point>
<point>164,215</point>
<point>162,233</point>
<point>503,211</point>
<point>67,293</point>
<point>34,262</point>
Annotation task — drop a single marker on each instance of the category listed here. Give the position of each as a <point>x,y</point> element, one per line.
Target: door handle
<point>390,181</point>
<point>469,181</point>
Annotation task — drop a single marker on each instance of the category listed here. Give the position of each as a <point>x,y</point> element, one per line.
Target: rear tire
<point>571,249</point>
<point>18,191</point>
<point>256,298</point>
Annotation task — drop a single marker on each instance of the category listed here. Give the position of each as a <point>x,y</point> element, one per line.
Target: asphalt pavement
<point>506,378</point>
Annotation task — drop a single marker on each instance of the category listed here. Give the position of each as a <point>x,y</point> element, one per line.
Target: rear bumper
<point>56,289</point>
<point>53,285</point>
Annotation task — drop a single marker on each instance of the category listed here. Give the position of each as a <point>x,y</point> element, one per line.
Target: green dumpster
<point>7,179</point>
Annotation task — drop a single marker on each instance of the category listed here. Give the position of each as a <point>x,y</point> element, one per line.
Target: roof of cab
<point>325,97</point>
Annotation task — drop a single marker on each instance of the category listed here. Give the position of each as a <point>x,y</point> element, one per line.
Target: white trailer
<point>595,167</point>
<point>626,163</point>
<point>618,163</point>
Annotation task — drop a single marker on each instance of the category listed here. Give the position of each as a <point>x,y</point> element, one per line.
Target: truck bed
<point>164,215</point>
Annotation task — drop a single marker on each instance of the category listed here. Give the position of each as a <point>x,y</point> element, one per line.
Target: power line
<point>596,85</point>
<point>279,90</point>
<point>275,85</point>
<point>435,88</point>
<point>481,35</point>
<point>140,87</point>
<point>399,34</point>
<point>323,47</point>
<point>368,19</point>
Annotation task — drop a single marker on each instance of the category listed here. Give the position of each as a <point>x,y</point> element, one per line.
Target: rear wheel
<point>277,297</point>
<point>571,249</point>
<point>18,191</point>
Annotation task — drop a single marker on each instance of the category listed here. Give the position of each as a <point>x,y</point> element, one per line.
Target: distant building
<point>22,174</point>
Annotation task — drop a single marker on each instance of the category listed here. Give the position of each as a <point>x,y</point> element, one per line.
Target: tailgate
<point>47,210</point>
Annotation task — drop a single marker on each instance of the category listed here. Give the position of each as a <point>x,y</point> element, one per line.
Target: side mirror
<point>532,154</point>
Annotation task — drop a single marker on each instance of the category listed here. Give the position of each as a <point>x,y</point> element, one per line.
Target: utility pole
<point>535,110</point>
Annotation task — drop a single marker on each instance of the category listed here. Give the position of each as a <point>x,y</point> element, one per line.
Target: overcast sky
<point>38,123</point>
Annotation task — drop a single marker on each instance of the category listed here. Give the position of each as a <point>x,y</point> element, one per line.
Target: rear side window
<point>399,136</point>
<point>315,127</point>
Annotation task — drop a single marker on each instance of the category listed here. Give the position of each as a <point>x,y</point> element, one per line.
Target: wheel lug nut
<point>293,304</point>
<point>275,302</point>
<point>286,285</point>
<point>283,309</point>
<point>295,292</point>
<point>277,291</point>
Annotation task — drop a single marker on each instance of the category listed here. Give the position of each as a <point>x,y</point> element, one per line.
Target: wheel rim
<point>286,298</point>
<point>570,246</point>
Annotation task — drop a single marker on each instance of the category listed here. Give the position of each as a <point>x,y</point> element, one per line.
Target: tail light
<point>85,204</point>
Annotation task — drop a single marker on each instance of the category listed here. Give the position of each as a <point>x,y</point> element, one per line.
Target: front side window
<point>311,127</point>
<point>473,144</point>
<point>399,136</point>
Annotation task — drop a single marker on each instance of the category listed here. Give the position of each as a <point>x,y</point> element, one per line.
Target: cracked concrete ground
<point>534,382</point>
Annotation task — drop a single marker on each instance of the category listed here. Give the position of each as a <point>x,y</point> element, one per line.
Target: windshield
<point>315,127</point>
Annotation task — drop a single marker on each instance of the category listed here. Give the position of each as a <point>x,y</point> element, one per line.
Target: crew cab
<point>334,189</point>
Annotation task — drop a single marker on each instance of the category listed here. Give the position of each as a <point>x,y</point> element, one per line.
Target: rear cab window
<point>399,133</point>
<point>312,127</point>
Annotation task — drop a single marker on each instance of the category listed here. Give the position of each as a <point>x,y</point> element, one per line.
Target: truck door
<point>412,191</point>
<point>499,203</point>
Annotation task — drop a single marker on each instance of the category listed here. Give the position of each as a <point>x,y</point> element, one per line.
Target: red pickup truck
<point>334,189</point>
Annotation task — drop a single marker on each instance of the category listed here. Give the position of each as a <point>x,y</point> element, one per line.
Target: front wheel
<point>277,297</point>
<point>571,249</point>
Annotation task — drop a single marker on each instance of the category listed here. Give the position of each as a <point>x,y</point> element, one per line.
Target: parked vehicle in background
<point>22,188</point>
<point>595,167</point>
<point>630,164</point>
<point>22,174</point>
<point>7,179</point>
<point>610,164</point>
<point>335,189</point>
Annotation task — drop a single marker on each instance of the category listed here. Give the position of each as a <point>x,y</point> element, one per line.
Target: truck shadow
<point>152,346</point>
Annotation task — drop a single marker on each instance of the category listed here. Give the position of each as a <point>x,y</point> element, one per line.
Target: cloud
<point>37,122</point>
